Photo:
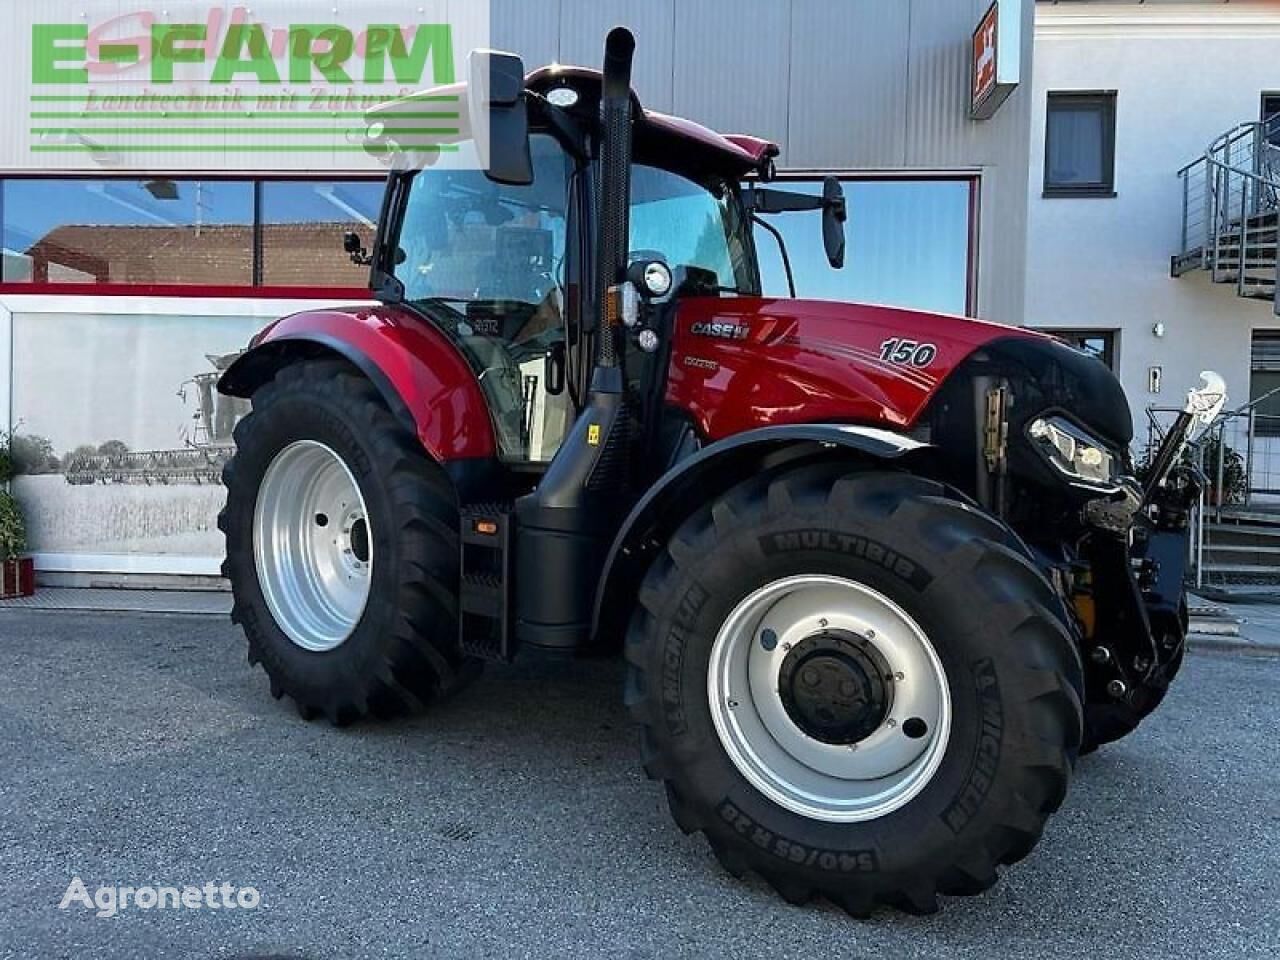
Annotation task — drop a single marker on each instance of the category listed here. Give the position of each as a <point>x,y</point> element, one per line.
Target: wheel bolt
<point>871,634</point>
<point>899,675</point>
<point>1101,655</point>
<point>1117,688</point>
<point>733,704</point>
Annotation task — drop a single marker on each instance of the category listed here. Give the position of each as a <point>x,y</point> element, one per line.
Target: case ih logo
<point>720,330</point>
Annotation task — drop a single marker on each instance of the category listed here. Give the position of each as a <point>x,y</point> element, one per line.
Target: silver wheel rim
<point>312,545</point>
<point>827,781</point>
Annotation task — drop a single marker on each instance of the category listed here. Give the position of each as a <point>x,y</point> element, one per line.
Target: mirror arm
<point>769,200</point>
<point>782,247</point>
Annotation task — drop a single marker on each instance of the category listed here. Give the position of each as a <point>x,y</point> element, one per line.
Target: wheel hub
<point>836,687</point>
<point>313,548</point>
<point>829,698</point>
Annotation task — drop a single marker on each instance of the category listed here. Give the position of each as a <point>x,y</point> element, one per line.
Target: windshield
<point>486,262</point>
<point>691,224</point>
<point>466,238</point>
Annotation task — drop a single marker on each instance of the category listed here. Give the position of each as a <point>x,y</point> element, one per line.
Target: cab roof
<point>660,136</point>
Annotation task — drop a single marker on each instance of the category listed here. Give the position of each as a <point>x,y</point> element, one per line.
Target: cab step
<point>485,596</point>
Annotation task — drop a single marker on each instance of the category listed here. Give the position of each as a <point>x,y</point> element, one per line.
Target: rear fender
<point>710,472</point>
<point>421,375</point>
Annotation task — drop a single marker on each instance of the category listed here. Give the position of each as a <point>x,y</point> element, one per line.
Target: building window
<point>228,235</point>
<point>140,232</point>
<point>1080,145</point>
<point>1096,343</point>
<point>1264,382</point>
<point>1271,117</point>
<point>303,224</point>
<point>909,243</point>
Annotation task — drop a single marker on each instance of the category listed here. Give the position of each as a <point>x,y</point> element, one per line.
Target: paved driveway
<point>142,750</point>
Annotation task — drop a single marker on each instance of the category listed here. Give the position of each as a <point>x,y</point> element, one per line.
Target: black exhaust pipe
<point>566,525</point>
<point>615,187</point>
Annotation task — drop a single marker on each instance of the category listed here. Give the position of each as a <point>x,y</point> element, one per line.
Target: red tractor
<point>879,576</point>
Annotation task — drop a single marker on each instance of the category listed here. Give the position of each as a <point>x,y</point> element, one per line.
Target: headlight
<point>1075,454</point>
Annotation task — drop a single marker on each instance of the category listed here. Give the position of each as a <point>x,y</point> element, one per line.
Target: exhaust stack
<point>615,188</point>
<point>567,523</point>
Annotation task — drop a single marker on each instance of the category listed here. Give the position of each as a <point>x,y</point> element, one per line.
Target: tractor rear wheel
<point>855,686</point>
<point>342,549</point>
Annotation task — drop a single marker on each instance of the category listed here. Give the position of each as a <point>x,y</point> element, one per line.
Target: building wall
<point>868,85</point>
<point>1183,73</point>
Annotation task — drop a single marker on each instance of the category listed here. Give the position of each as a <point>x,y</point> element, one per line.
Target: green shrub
<point>1235,485</point>
<point>7,470</point>
<point>13,531</point>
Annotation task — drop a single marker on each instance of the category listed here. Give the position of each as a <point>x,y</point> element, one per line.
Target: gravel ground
<point>514,822</point>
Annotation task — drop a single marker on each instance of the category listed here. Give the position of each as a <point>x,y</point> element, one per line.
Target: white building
<point>1124,96</point>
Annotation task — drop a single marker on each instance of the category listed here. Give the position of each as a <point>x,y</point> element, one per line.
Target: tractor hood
<point>746,362</point>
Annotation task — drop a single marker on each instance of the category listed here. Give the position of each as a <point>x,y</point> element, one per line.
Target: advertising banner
<point>120,435</point>
<point>204,86</point>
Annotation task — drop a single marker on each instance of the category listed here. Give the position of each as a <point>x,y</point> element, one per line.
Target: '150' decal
<point>908,352</point>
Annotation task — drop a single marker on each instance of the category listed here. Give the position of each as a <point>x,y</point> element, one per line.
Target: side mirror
<point>495,101</point>
<point>355,249</point>
<point>835,212</point>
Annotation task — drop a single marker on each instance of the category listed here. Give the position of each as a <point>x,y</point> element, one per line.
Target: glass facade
<point>908,243</point>
<point>302,226</point>
<point>163,231</point>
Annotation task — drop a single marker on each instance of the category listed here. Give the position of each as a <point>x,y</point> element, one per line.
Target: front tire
<point>969,640</point>
<point>342,549</point>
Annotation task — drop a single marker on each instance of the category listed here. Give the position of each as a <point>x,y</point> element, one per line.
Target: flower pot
<point>17,578</point>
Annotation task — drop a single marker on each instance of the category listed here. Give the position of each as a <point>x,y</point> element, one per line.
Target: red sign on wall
<point>986,41</point>
<point>996,54</point>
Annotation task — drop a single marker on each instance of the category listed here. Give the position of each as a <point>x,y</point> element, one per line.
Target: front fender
<point>710,472</point>
<point>420,373</point>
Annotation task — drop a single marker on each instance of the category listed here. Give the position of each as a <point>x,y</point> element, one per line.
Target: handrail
<point>1265,181</point>
<point>1231,137</point>
<point>1225,414</point>
<point>1245,408</point>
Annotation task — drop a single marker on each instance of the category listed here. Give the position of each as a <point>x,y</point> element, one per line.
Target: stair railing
<point>1223,192</point>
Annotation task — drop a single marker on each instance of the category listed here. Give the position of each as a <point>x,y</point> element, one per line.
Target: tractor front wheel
<point>342,549</point>
<point>856,686</point>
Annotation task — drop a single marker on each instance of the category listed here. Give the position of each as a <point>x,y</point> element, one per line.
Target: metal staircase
<point>1231,211</point>
<point>1235,546</point>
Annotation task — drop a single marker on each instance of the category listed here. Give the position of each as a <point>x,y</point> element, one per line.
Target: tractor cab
<point>499,258</point>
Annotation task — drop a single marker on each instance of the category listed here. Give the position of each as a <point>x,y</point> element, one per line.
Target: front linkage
<point>1137,559</point>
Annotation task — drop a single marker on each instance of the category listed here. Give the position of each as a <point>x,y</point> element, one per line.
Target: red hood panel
<point>746,362</point>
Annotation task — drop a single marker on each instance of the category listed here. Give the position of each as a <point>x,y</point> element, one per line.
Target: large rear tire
<point>342,549</point>
<point>803,771</point>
